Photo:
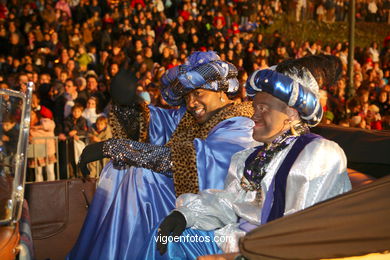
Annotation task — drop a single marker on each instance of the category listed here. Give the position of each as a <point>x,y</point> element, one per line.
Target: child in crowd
<point>41,109</point>
<point>89,113</point>
<point>42,133</point>
<point>100,131</point>
<point>8,142</point>
<point>373,118</point>
<point>75,126</point>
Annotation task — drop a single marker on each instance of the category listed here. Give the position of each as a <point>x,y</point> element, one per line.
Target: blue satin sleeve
<point>163,123</point>
<point>214,153</point>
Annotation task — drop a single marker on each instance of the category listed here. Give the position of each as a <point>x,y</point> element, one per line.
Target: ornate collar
<point>257,162</point>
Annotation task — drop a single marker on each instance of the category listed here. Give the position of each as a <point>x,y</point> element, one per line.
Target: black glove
<point>91,153</point>
<point>175,223</point>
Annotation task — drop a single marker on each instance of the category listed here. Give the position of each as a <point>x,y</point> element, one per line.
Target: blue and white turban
<point>300,93</point>
<point>203,70</point>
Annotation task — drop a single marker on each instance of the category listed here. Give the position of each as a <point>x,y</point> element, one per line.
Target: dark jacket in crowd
<point>80,125</point>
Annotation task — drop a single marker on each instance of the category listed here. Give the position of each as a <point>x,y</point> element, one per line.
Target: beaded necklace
<point>257,162</point>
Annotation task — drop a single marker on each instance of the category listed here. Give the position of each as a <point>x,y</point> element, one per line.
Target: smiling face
<point>92,84</point>
<point>270,117</point>
<point>203,103</point>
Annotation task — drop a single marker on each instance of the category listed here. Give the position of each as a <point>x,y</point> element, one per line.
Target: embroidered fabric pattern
<point>202,70</point>
<point>256,163</point>
<point>131,153</point>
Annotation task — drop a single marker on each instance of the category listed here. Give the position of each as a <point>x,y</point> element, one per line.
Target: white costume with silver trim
<point>318,173</point>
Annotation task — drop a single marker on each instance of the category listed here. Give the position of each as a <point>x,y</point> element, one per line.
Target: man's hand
<point>175,223</point>
<point>91,153</point>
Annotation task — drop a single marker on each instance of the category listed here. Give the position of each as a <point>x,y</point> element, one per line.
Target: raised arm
<point>128,152</point>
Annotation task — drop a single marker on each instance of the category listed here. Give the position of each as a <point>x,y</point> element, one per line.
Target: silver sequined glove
<point>132,153</point>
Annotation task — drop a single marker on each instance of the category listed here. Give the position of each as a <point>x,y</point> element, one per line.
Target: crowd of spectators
<point>337,10</point>
<point>71,49</point>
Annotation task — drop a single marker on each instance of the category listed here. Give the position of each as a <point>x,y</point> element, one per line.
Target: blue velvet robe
<point>129,204</point>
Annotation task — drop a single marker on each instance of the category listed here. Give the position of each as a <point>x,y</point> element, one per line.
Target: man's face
<point>139,59</point>
<point>23,79</point>
<point>114,69</point>
<point>383,97</point>
<point>14,39</point>
<point>148,53</point>
<point>63,76</point>
<point>54,36</point>
<point>150,40</point>
<point>269,117</point>
<point>70,65</point>
<point>92,84</point>
<point>44,79</point>
<point>203,104</point>
<point>70,88</point>
<point>138,44</point>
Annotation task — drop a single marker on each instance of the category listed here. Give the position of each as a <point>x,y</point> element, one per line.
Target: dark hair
<point>78,106</point>
<point>92,76</point>
<point>102,119</point>
<point>354,102</point>
<point>326,69</point>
